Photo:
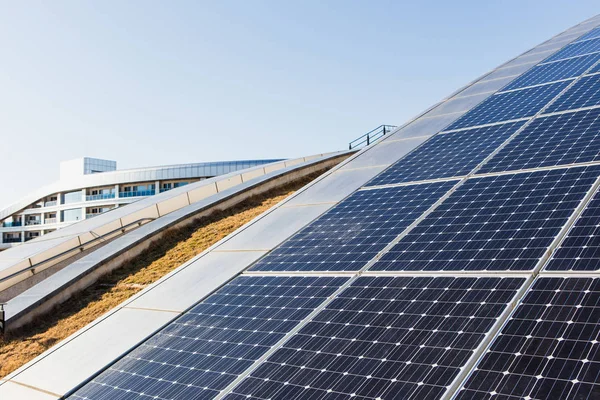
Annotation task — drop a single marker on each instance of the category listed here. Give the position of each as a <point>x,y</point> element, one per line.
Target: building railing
<point>102,196</point>
<point>33,222</point>
<point>137,193</point>
<point>11,240</point>
<point>48,221</point>
<point>88,216</point>
<point>11,224</point>
<point>50,203</point>
<point>371,136</point>
<point>28,238</point>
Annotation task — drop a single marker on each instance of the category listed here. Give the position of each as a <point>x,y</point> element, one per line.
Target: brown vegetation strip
<point>19,347</point>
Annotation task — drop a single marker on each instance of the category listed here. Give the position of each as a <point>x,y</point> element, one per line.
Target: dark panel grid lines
<point>447,155</point>
<point>593,34</point>
<point>584,93</point>
<point>553,140</point>
<point>576,49</point>
<point>496,223</point>
<point>548,349</point>
<point>204,350</point>
<point>556,71</point>
<point>354,231</point>
<point>510,105</point>
<point>384,338</point>
<point>580,249</point>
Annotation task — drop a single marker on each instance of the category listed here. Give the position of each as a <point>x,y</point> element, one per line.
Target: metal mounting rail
<point>80,247</point>
<point>371,136</point>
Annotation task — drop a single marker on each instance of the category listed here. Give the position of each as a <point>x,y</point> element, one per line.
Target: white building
<point>91,186</point>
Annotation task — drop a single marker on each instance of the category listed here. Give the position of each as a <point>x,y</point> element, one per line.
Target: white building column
<point>58,199</point>
<point>116,191</point>
<point>23,237</point>
<point>157,187</point>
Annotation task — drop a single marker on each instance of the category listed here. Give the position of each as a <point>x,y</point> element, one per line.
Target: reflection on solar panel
<point>384,338</point>
<point>593,34</point>
<point>510,105</point>
<point>353,232</point>
<point>555,71</point>
<point>209,346</point>
<point>503,223</point>
<point>576,49</point>
<point>553,140</point>
<point>548,349</point>
<point>585,93</point>
<point>446,155</point>
<point>580,250</point>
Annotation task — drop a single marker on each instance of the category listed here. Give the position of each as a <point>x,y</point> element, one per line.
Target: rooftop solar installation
<point>353,232</point>
<point>576,49</point>
<point>208,347</point>
<point>447,155</point>
<point>555,71</point>
<point>502,223</point>
<point>584,93</point>
<point>580,249</point>
<point>510,105</point>
<point>551,140</point>
<point>548,349</point>
<point>385,338</point>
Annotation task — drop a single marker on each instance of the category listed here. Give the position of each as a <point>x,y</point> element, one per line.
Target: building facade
<point>91,186</point>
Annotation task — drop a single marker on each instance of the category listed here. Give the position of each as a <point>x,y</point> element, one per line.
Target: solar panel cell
<point>208,347</point>
<point>510,105</point>
<point>385,338</point>
<point>354,231</point>
<point>502,223</point>
<point>447,155</point>
<point>548,349</point>
<point>584,93</point>
<point>593,34</point>
<point>551,140</point>
<point>576,49</point>
<point>554,71</point>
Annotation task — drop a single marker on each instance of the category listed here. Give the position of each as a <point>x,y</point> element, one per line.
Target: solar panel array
<point>455,273</point>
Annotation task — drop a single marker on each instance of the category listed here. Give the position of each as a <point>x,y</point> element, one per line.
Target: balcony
<point>28,238</point>
<point>33,222</point>
<point>88,216</point>
<point>50,203</point>
<point>48,221</point>
<point>137,194</point>
<point>11,240</point>
<point>11,224</point>
<point>102,196</point>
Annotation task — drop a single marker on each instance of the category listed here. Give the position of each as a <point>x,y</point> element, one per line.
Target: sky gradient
<point>150,83</point>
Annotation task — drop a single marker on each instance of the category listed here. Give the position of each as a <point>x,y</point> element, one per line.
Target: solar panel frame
<point>489,224</point>
<point>507,106</point>
<point>544,349</point>
<point>551,140</point>
<point>206,348</point>
<point>447,155</point>
<point>383,337</point>
<point>344,239</point>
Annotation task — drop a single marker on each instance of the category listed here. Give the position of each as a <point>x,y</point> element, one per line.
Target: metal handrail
<point>80,247</point>
<point>370,136</point>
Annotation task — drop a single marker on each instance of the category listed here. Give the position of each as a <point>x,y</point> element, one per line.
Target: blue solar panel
<point>580,250</point>
<point>384,338</point>
<point>576,49</point>
<point>498,223</point>
<point>510,105</point>
<point>553,140</point>
<point>554,71</point>
<point>447,155</point>
<point>204,350</point>
<point>595,69</point>
<point>584,93</point>
<point>593,34</point>
<point>549,348</point>
<point>354,231</point>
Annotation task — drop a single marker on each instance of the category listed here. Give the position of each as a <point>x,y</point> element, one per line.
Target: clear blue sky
<point>162,82</point>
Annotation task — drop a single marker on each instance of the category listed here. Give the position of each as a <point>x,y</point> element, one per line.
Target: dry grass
<point>19,347</point>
